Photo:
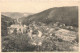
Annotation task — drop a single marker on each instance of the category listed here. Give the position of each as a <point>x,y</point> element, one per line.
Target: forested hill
<point>66,15</point>
<point>5,22</point>
<point>5,18</point>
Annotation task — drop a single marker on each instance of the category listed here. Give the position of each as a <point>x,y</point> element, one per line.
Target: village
<point>37,32</point>
<point>18,28</point>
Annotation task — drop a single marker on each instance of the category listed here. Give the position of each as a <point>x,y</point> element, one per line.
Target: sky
<point>32,6</point>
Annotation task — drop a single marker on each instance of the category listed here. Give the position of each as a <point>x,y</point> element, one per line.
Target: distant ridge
<point>15,15</point>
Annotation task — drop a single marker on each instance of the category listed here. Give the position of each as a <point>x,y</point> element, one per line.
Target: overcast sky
<point>31,6</point>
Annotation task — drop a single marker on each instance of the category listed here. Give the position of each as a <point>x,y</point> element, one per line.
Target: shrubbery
<point>17,43</point>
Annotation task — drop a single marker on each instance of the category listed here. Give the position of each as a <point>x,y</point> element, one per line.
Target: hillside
<point>66,15</point>
<point>5,22</point>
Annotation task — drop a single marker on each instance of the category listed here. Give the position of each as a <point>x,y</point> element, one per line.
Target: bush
<point>17,43</point>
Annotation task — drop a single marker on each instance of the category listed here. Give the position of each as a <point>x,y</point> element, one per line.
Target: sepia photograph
<point>39,26</point>
<point>54,29</point>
